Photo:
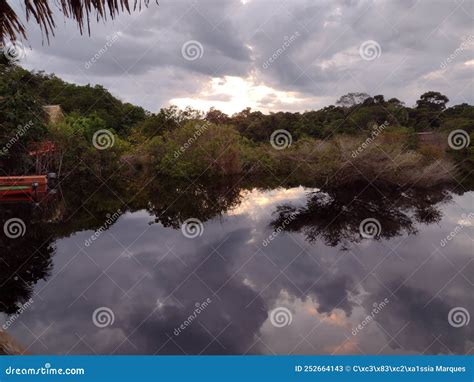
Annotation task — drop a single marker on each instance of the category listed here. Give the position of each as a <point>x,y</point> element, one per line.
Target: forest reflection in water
<point>317,265</point>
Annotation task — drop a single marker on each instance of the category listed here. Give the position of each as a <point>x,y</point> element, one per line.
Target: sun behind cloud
<point>232,94</point>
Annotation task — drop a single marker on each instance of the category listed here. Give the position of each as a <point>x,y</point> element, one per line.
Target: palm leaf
<point>80,11</point>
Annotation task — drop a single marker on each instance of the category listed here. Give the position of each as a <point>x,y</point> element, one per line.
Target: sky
<point>268,55</point>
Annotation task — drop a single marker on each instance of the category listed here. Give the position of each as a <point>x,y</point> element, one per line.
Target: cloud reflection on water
<point>328,291</point>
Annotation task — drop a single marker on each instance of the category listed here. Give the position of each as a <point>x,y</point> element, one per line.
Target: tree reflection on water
<point>330,215</point>
<point>335,215</point>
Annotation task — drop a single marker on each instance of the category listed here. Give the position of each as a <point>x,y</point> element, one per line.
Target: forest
<point>360,138</point>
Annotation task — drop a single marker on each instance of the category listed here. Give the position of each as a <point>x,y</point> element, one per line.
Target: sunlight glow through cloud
<point>233,94</point>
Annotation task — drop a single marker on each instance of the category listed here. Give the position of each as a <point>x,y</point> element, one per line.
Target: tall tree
<point>352,99</point>
<point>432,100</point>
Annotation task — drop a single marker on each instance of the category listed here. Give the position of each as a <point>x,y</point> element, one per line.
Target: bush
<point>76,151</point>
<point>431,152</point>
<point>196,148</point>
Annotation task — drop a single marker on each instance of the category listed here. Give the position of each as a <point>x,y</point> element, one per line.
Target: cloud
<point>145,64</point>
<point>329,293</point>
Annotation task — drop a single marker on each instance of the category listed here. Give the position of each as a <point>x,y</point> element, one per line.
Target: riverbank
<point>367,139</point>
<point>395,158</point>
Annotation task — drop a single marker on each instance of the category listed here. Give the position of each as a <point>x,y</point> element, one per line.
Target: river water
<point>213,269</point>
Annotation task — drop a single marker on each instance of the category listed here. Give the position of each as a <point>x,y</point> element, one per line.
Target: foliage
<point>195,149</point>
<point>21,117</point>
<point>188,143</point>
<point>86,100</point>
<point>81,12</point>
<point>77,154</point>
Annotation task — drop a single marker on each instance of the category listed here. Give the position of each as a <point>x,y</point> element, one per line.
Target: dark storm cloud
<point>319,62</point>
<point>327,50</point>
<point>426,328</point>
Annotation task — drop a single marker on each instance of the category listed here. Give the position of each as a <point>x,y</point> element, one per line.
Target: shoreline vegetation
<point>360,139</point>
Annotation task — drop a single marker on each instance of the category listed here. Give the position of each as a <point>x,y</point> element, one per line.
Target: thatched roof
<point>79,10</point>
<point>54,113</point>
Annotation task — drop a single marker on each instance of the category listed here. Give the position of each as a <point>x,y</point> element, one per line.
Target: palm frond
<point>80,11</point>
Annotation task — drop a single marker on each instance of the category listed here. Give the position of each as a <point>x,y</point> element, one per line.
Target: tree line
<point>140,133</point>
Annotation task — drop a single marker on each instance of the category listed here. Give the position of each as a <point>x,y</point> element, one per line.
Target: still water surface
<point>296,249</point>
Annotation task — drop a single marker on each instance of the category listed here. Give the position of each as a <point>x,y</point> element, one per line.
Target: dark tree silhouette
<point>23,260</point>
<point>335,215</point>
<point>197,200</point>
<point>432,100</point>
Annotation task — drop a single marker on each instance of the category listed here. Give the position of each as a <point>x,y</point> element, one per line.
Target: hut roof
<point>54,113</point>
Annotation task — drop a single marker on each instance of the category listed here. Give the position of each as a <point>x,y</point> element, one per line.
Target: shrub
<point>431,152</point>
<point>196,148</point>
<point>76,152</point>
